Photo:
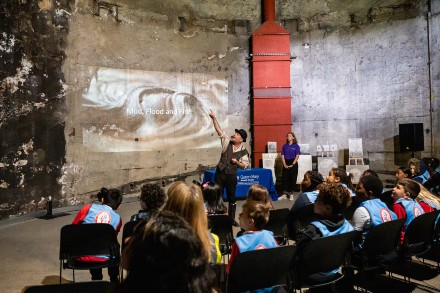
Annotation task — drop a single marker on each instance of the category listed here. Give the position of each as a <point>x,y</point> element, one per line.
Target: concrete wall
<point>359,77</point>
<point>363,84</point>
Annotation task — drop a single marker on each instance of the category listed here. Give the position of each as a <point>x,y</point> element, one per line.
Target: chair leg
<point>73,276</point>
<point>61,271</point>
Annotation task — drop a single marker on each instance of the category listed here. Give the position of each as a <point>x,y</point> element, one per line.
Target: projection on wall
<point>133,110</point>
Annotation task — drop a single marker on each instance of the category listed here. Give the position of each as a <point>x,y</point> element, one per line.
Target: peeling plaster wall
<point>32,106</point>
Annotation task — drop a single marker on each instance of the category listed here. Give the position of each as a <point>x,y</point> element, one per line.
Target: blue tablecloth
<point>246,178</point>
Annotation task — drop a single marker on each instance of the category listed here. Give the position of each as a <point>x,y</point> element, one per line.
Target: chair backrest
<point>383,239</point>
<point>433,181</point>
<point>88,239</point>
<point>127,231</point>
<point>299,221</point>
<point>277,222</point>
<point>387,198</point>
<point>77,287</point>
<point>323,254</point>
<point>221,225</point>
<point>419,234</point>
<point>259,269</point>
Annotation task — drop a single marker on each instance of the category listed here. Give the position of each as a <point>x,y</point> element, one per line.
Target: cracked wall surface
<point>32,103</point>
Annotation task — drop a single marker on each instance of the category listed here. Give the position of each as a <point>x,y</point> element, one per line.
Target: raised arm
<point>216,125</point>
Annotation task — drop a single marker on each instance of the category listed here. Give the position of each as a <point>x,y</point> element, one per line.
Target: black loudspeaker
<point>411,137</point>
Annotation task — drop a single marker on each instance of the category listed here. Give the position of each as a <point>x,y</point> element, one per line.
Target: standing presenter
<point>290,156</point>
<point>234,155</point>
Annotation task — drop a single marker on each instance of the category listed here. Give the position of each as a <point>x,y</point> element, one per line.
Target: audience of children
<point>213,197</point>
<point>177,239</point>
<point>252,220</point>
<point>332,199</point>
<point>186,200</point>
<point>165,254</point>
<point>102,213</point>
<point>151,199</point>
<point>371,211</point>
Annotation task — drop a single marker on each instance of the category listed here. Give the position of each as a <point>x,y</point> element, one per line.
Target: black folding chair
<point>127,232</point>
<point>277,224</point>
<point>433,184</point>
<point>418,237</point>
<point>88,240</point>
<point>380,249</point>
<point>322,255</point>
<point>298,221</point>
<point>80,287</point>
<point>221,225</point>
<point>246,272</point>
<point>381,245</point>
<point>434,253</point>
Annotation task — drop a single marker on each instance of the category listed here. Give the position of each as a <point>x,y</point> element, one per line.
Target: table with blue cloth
<point>245,178</point>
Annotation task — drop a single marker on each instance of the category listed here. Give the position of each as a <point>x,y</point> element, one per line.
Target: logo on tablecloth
<point>248,179</point>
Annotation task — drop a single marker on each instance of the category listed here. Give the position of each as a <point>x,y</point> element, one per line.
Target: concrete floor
<point>29,249</point>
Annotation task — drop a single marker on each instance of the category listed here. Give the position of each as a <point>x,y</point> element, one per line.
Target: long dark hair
<point>315,178</point>
<point>213,198</point>
<point>166,255</point>
<point>294,137</point>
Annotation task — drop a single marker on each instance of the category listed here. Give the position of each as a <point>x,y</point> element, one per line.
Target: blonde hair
<point>259,193</point>
<point>425,195</point>
<point>256,211</point>
<point>416,163</point>
<point>186,200</point>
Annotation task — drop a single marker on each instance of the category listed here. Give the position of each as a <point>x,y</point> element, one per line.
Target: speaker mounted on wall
<point>411,137</point>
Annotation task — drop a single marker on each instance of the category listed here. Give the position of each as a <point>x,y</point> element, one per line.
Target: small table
<point>245,178</point>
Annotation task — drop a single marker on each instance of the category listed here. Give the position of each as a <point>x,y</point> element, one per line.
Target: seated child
<point>309,188</point>
<point>405,206</point>
<point>213,197</point>
<point>152,198</point>
<point>166,255</point>
<point>332,199</point>
<point>252,219</point>
<point>105,213</point>
<point>371,211</point>
<point>403,172</point>
<point>338,175</point>
<point>260,193</point>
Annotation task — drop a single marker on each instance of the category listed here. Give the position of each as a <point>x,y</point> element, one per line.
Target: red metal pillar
<point>272,115</point>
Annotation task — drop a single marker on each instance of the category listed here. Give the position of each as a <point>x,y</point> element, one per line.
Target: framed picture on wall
<point>271,146</point>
